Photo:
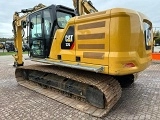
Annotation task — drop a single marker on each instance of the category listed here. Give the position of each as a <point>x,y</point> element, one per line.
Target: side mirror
<point>23,24</point>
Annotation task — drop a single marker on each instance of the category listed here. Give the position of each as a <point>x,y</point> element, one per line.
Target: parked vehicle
<point>10,47</point>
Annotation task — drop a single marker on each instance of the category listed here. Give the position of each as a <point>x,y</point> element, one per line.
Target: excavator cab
<point>42,27</point>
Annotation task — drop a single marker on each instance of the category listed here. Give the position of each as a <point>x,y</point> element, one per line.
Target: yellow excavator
<point>88,55</point>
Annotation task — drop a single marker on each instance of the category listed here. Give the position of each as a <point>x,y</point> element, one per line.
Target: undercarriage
<point>90,92</point>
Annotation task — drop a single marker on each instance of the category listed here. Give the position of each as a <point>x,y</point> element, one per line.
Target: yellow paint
<point>18,45</point>
<point>124,42</point>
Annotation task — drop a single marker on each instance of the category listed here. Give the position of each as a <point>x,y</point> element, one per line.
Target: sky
<point>7,8</point>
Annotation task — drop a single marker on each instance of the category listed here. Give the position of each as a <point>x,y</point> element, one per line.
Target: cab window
<point>147,35</point>
<point>47,22</point>
<point>37,26</point>
<point>63,18</point>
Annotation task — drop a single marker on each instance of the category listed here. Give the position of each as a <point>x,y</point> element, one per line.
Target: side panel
<point>63,47</point>
<point>67,45</point>
<point>92,38</point>
<point>113,39</point>
<point>128,52</point>
<point>83,42</point>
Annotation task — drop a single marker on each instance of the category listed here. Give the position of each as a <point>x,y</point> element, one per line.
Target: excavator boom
<point>19,22</point>
<point>83,7</point>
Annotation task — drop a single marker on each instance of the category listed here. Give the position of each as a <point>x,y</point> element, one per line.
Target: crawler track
<point>105,83</point>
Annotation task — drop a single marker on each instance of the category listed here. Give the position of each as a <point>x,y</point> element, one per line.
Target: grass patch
<point>10,53</point>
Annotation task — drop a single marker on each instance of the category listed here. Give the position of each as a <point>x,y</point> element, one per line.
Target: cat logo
<point>69,38</point>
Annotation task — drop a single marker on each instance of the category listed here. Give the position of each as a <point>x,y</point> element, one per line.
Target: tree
<point>157,41</point>
<point>5,39</point>
<point>157,33</point>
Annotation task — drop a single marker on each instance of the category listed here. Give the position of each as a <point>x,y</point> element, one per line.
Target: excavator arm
<point>83,7</point>
<point>19,22</point>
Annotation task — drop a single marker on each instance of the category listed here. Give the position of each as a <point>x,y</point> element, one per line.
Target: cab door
<point>48,27</point>
<point>36,36</point>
